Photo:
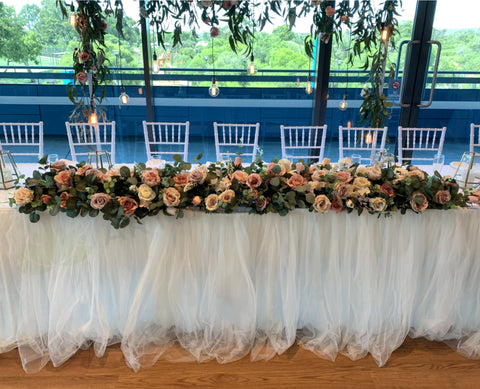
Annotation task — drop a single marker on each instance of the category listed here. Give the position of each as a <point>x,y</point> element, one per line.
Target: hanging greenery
<point>171,17</point>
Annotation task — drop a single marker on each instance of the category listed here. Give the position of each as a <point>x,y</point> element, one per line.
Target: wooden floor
<point>417,364</point>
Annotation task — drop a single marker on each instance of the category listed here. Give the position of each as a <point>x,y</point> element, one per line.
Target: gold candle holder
<point>99,158</point>
<point>8,170</point>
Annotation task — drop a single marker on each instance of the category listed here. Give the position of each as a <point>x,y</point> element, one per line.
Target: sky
<point>466,12</point>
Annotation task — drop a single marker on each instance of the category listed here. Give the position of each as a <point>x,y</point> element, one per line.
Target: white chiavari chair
<point>475,138</point>
<point>165,139</point>
<point>83,138</point>
<point>422,143</point>
<point>22,139</point>
<point>363,141</point>
<point>298,142</point>
<point>233,140</point>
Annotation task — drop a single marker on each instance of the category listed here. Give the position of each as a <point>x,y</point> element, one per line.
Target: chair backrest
<point>426,143</point>
<point>474,137</point>
<point>364,141</point>
<point>164,139</point>
<point>236,139</point>
<point>83,138</point>
<point>22,138</point>
<point>298,142</point>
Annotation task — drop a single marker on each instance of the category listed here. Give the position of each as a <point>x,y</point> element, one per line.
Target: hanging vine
<point>172,17</point>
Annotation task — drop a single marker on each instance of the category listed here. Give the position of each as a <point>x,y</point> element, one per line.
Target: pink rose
<point>97,173</point>
<point>419,202</point>
<point>299,167</point>
<point>83,56</point>
<point>330,11</point>
<point>227,4</point>
<point>198,175</point>
<point>63,179</point>
<point>99,200</point>
<point>214,31</point>
<point>58,165</point>
<point>270,167</point>
<point>341,190</point>
<point>103,25</point>
<point>171,197</point>
<point>82,77</point>
<point>240,176</point>
<point>151,177</point>
<point>296,180</point>
<point>344,18</point>
<point>129,205</point>
<point>254,180</point>
<point>442,197</point>
<point>45,199</point>
<point>111,173</point>
<point>344,176</point>
<point>336,205</point>
<point>261,203</point>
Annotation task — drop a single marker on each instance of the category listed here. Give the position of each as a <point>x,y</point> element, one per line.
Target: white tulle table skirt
<point>224,286</point>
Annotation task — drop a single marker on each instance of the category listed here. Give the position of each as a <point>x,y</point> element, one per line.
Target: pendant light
<point>343,104</point>
<point>123,96</point>
<point>213,90</point>
<point>155,68</point>
<point>72,19</point>
<point>252,69</point>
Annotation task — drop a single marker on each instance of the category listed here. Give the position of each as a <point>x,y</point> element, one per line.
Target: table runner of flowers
<point>122,193</point>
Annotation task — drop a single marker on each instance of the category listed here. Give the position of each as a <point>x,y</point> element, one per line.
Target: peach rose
<point>23,196</point>
<point>63,199</point>
<point>442,197</point>
<point>387,190</point>
<point>254,194</point>
<point>171,197</point>
<point>419,202</point>
<point>317,174</point>
<point>99,200</point>
<point>299,167</point>
<point>378,204</point>
<point>361,182</point>
<point>129,205</point>
<point>238,162</point>
<point>285,164</point>
<point>227,196</point>
<point>211,202</point>
<point>254,180</point>
<point>417,173</point>
<point>223,184</point>
<point>337,205</point>
<point>196,201</point>
<point>63,179</point>
<point>240,176</point>
<point>151,177</point>
<point>198,175</point>
<point>45,198</point>
<point>296,180</point>
<point>322,204</point>
<point>374,173</point>
<point>325,161</point>
<point>111,173</point>
<point>181,179</point>
<point>261,203</point>
<point>82,169</point>
<point>344,176</point>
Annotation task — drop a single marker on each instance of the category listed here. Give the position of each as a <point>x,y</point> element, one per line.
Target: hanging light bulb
<point>309,88</point>
<point>384,34</point>
<point>252,69</point>
<point>93,119</point>
<point>213,90</point>
<point>123,96</point>
<point>155,63</point>
<point>343,104</point>
<point>72,19</point>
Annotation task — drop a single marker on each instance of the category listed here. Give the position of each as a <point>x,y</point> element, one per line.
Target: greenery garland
<point>171,17</point>
<point>123,193</point>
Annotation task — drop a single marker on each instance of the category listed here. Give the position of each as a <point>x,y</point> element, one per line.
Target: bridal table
<point>226,286</point>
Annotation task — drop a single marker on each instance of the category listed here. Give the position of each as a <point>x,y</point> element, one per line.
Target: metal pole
<point>146,65</point>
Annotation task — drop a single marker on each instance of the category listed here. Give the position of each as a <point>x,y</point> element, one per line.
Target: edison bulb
<point>343,105</point>
<point>93,119</point>
<point>213,90</point>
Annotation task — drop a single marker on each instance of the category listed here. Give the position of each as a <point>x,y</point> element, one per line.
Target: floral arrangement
<point>123,193</point>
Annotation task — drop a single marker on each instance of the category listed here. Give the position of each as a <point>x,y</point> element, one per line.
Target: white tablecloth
<point>226,285</point>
